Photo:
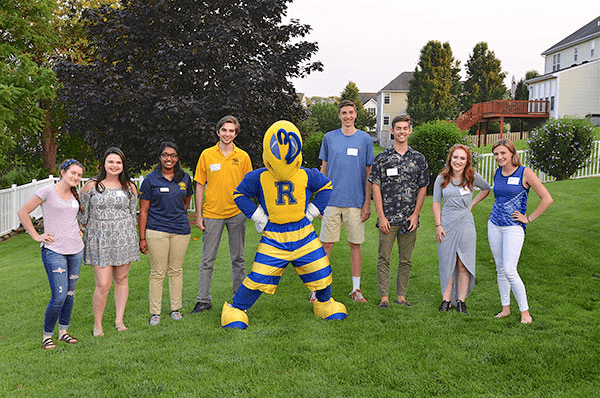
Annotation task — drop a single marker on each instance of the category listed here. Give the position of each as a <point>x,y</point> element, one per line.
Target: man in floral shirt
<point>400,177</point>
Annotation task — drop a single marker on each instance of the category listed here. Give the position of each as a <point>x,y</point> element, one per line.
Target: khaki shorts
<point>331,225</point>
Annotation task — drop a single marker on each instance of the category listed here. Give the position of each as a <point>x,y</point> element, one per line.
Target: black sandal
<point>67,338</point>
<point>48,344</point>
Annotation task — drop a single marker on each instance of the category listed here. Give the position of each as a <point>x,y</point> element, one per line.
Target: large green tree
<point>169,70</point>
<point>522,92</point>
<point>485,79</point>
<point>364,120</point>
<point>27,82</point>
<point>435,88</point>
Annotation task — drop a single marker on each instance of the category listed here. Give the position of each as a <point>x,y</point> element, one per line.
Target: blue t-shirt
<point>510,196</point>
<point>347,157</point>
<point>167,211</point>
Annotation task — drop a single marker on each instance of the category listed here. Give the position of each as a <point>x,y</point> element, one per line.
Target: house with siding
<point>369,101</point>
<point>392,100</point>
<point>571,79</point>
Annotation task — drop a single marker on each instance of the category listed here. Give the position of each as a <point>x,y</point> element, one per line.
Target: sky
<point>370,42</point>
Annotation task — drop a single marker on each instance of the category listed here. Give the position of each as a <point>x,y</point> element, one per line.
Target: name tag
<point>464,191</point>
<point>164,189</point>
<point>391,172</point>
<point>74,204</point>
<point>352,152</point>
<point>121,194</point>
<point>215,167</point>
<point>513,181</point>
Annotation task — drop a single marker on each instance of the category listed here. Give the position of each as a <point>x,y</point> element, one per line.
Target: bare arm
<point>436,207</point>
<point>23,214</point>
<point>144,207</point>
<point>324,167</point>
<point>482,195</point>
<point>414,218</point>
<point>531,180</point>
<point>384,224</point>
<point>199,202</point>
<point>365,212</point>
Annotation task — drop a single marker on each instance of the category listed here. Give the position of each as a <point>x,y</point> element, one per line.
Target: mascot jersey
<point>288,236</point>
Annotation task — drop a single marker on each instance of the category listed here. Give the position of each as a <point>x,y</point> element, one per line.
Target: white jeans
<point>506,244</point>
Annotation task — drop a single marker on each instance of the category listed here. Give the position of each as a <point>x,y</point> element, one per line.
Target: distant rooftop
<point>400,83</point>
<point>589,31</point>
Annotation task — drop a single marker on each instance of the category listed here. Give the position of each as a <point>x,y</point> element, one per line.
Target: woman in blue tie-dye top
<point>508,220</point>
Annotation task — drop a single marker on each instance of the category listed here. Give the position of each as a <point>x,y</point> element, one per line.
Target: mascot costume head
<point>282,150</point>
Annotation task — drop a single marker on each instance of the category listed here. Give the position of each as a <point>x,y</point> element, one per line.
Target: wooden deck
<point>496,111</point>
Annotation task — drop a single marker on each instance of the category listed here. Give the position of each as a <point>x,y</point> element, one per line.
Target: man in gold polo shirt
<point>219,171</point>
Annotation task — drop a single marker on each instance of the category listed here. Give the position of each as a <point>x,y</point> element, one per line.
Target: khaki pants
<point>167,252</point>
<point>406,244</point>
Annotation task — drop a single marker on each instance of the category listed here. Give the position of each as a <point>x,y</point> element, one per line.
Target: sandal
<point>67,338</point>
<point>97,332</point>
<point>48,344</point>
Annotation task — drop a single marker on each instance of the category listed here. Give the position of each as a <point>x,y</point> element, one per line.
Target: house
<point>392,100</point>
<point>369,101</point>
<point>571,79</point>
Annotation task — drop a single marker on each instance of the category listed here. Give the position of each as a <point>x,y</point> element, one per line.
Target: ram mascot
<point>283,190</point>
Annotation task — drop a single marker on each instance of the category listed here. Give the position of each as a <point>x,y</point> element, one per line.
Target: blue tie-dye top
<point>510,197</point>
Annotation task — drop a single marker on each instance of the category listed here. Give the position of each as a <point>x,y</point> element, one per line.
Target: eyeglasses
<point>169,155</point>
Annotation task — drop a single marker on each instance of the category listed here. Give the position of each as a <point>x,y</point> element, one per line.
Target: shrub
<point>434,140</point>
<point>561,146</point>
<point>311,146</point>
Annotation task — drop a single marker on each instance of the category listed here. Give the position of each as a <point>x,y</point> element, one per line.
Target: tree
<point>170,70</point>
<point>485,79</point>
<point>522,90</point>
<point>364,120</point>
<point>26,81</point>
<point>324,117</point>
<point>435,88</point>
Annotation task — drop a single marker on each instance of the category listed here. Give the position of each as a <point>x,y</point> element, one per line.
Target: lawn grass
<point>288,352</point>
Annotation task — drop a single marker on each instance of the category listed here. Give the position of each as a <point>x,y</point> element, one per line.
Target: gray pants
<point>211,237</point>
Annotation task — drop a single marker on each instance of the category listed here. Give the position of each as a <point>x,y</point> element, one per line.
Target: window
<point>387,99</point>
<point>371,111</point>
<point>386,119</point>
<point>555,62</point>
<point>575,54</point>
<point>592,48</point>
<point>552,103</point>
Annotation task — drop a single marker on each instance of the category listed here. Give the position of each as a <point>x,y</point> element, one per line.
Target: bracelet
<point>528,220</point>
<point>438,225</point>
<point>142,239</point>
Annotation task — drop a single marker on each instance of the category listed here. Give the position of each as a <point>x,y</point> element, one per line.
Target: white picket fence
<point>11,199</point>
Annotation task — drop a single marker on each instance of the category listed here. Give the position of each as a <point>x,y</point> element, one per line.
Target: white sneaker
<point>155,320</point>
<point>176,315</point>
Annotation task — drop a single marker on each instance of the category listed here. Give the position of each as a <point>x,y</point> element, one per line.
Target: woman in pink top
<point>61,245</point>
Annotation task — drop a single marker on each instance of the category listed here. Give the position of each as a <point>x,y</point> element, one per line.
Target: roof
<point>365,97</point>
<point>400,83</point>
<point>589,31</point>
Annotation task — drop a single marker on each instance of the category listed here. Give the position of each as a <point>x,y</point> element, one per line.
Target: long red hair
<point>468,173</point>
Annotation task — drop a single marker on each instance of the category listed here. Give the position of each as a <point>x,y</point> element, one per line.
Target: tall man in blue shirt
<point>347,155</point>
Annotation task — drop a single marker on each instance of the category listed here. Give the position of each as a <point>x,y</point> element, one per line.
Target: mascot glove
<point>312,211</point>
<point>260,219</point>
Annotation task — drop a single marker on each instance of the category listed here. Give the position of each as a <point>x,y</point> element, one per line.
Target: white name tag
<point>120,194</point>
<point>74,204</point>
<point>352,152</point>
<point>513,181</point>
<point>464,191</point>
<point>215,167</point>
<point>164,189</point>
<point>391,172</point>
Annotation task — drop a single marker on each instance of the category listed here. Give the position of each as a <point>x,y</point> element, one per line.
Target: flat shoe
<point>445,306</point>
<point>403,302</point>
<point>48,344</point>
<point>501,315</point>
<point>121,327</point>
<point>384,304</point>
<point>98,332</point>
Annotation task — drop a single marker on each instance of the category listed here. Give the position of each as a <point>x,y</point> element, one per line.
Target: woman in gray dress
<point>110,204</point>
<point>454,226</point>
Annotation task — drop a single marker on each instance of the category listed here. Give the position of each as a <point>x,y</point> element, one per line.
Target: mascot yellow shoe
<point>330,309</point>
<point>233,317</point>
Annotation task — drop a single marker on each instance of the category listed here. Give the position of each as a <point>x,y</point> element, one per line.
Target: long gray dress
<point>111,218</point>
<point>461,238</point>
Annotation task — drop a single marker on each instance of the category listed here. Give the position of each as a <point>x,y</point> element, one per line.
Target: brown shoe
<point>357,296</point>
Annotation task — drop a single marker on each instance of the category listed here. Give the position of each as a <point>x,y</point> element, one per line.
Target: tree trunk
<point>49,144</point>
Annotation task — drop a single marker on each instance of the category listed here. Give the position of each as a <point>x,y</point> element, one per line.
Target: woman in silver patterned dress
<point>110,217</point>
<point>455,227</point>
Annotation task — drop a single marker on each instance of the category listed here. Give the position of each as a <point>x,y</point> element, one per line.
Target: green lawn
<point>288,352</point>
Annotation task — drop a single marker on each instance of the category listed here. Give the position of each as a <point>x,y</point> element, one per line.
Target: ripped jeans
<point>63,272</point>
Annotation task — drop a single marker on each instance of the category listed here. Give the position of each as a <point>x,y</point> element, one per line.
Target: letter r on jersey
<point>285,188</point>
